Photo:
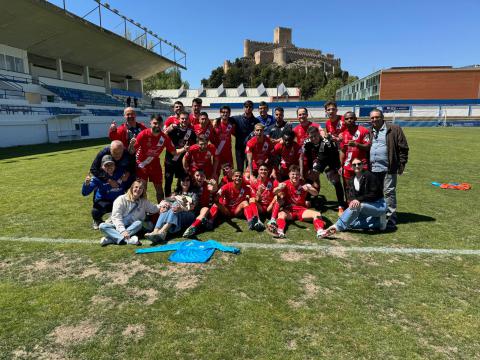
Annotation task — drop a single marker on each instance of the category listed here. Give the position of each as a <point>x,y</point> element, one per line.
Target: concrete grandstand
<point>64,85</point>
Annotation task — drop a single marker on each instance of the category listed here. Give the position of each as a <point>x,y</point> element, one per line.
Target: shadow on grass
<point>27,150</point>
<point>406,218</point>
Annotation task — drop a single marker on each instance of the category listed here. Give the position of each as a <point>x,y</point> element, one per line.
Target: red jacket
<point>122,133</point>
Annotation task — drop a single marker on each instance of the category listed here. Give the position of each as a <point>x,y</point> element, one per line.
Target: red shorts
<point>223,158</point>
<point>296,212</point>
<point>152,172</point>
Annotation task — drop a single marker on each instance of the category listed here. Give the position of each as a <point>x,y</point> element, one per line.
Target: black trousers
<point>172,169</point>
<point>100,208</point>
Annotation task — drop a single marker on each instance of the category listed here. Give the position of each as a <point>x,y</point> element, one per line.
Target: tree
<point>170,79</point>
<point>328,91</point>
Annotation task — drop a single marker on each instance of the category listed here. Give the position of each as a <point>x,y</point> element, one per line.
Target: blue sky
<point>366,35</point>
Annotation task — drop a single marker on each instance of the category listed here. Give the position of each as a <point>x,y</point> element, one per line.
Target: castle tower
<point>282,36</point>
<point>246,48</point>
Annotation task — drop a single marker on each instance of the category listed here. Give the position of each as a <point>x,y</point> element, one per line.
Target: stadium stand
<point>83,96</point>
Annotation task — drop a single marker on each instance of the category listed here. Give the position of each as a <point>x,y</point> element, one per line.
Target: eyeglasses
<point>357,164</point>
<point>349,118</point>
<point>248,107</point>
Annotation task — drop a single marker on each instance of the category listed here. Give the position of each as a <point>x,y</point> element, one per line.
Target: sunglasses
<point>357,164</point>
<point>248,107</point>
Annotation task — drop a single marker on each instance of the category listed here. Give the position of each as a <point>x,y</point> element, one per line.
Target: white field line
<point>324,248</point>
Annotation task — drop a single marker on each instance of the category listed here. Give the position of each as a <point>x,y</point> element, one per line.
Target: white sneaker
<point>104,241</point>
<point>134,241</point>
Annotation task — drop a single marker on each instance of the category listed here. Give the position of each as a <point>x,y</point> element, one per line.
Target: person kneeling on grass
<point>367,209</point>
<point>104,192</point>
<point>176,212</point>
<point>127,214</point>
<point>294,207</point>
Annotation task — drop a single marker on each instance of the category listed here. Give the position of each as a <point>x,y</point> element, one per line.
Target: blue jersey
<point>266,122</point>
<point>191,251</point>
<point>103,190</point>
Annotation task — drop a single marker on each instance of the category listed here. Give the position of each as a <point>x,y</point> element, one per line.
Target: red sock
<point>318,223</point>
<point>248,212</point>
<point>213,212</point>
<point>254,209</point>
<point>282,224</point>
<point>196,223</point>
<point>275,210</point>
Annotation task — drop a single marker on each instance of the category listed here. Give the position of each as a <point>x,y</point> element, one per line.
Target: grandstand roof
<point>44,29</point>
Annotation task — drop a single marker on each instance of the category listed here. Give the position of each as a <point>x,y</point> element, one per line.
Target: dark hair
<point>157,117</point>
<point>350,112</point>
<point>185,113</point>
<point>263,103</point>
<point>293,168</point>
<point>203,113</point>
<point>312,129</point>
<point>197,101</point>
<point>178,188</point>
<point>202,138</point>
<point>328,103</point>
<point>279,108</point>
<point>248,102</point>
<point>289,134</point>
<point>302,107</point>
<point>377,110</point>
<point>177,103</point>
<point>226,107</point>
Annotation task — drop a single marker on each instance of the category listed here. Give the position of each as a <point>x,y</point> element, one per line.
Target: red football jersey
<point>231,197</point>
<point>203,195</point>
<point>149,147</point>
<point>193,119</point>
<point>288,156</point>
<point>171,120</point>
<point>301,131</point>
<point>207,132</point>
<point>225,180</point>
<point>295,195</point>
<point>336,127</point>
<point>267,194</point>
<point>223,137</point>
<point>360,135</point>
<point>261,152</point>
<point>201,159</point>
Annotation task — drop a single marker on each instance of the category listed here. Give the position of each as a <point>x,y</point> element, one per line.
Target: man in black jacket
<point>367,209</point>
<point>388,157</point>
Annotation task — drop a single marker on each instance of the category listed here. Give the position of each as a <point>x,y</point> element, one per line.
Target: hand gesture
<point>87,180</point>
<point>282,186</point>
<point>125,234</point>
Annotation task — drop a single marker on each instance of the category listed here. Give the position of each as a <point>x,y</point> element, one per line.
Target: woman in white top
<point>127,214</point>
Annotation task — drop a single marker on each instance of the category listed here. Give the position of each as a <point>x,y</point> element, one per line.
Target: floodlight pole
<point>100,14</point>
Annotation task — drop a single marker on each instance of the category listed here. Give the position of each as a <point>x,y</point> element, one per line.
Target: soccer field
<point>356,296</point>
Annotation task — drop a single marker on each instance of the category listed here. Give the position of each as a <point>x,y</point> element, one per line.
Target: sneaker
<point>383,222</point>
<point>134,241</point>
<point>191,230</point>
<point>158,238</point>
<point>325,233</point>
<point>96,224</point>
<point>104,241</point>
<point>340,211</point>
<point>279,235</point>
<point>258,226</point>
<point>251,224</point>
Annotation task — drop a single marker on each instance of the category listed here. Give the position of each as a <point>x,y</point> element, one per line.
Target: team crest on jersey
<point>269,185</point>
<point>357,135</point>
<point>207,133</point>
<point>367,138</point>
<point>265,146</point>
<point>339,125</point>
<point>161,141</point>
<point>241,192</point>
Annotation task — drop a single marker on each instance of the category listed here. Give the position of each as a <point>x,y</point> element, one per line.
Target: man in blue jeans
<point>367,209</point>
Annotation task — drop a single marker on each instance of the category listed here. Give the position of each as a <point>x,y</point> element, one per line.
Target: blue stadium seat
<point>83,96</point>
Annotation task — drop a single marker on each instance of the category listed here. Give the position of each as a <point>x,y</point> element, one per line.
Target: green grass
<point>83,301</point>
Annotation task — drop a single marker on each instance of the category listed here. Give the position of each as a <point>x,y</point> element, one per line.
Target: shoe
<point>258,226</point>
<point>340,211</point>
<point>252,222</point>
<point>134,241</point>
<point>383,222</point>
<point>96,224</point>
<point>191,230</point>
<point>158,237</point>
<point>324,233</point>
<point>279,235</point>
<point>104,241</point>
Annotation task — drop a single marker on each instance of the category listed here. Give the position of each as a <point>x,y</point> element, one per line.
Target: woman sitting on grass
<point>367,209</point>
<point>176,212</point>
<point>128,212</point>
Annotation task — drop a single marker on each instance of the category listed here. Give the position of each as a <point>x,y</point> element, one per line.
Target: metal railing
<point>144,36</point>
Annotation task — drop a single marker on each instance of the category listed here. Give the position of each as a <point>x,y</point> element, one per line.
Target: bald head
<point>116,149</point>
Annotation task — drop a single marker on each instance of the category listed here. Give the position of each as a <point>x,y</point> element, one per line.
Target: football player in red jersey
<point>174,120</point>
<point>259,150</point>
<point>355,144</point>
<point>196,110</point>
<point>335,124</point>
<point>201,156</point>
<point>288,153</point>
<point>204,127</point>
<point>224,128</point>
<point>227,174</point>
<point>205,189</point>
<point>301,129</point>
<point>295,193</point>
<point>128,131</point>
<point>262,197</point>
<point>232,201</point>
<point>149,145</point>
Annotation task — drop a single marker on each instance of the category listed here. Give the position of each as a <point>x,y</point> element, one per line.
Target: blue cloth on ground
<point>191,251</point>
